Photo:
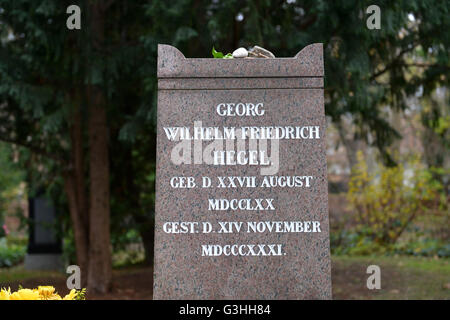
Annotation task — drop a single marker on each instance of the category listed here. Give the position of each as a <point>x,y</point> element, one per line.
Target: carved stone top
<point>307,63</point>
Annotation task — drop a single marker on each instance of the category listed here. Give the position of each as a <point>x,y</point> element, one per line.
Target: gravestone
<point>241,178</point>
<point>44,250</point>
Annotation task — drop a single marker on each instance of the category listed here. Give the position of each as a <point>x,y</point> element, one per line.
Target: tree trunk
<point>100,265</point>
<point>80,234</point>
<point>352,145</point>
<point>79,168</point>
<point>74,183</point>
<point>99,273</point>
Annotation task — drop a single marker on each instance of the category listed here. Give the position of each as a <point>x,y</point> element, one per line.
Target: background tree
<point>58,88</point>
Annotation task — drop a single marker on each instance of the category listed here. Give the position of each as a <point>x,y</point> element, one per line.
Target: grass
<point>18,273</point>
<point>402,277</point>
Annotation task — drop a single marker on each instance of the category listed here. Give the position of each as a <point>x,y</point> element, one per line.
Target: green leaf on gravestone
<point>218,55</point>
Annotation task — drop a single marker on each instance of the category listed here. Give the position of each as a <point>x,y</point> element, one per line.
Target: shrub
<point>424,248</point>
<point>389,200</point>
<point>10,255</point>
<point>361,244</point>
<point>3,230</point>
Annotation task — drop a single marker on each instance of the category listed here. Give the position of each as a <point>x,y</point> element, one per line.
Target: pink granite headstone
<point>241,178</point>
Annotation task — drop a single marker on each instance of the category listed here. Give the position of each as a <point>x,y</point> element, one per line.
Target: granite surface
<point>291,90</point>
<point>307,63</point>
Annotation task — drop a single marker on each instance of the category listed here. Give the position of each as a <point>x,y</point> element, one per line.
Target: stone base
<point>49,261</point>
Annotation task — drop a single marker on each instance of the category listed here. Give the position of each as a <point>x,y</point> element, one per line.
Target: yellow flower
<point>54,296</point>
<point>71,296</point>
<point>5,294</point>
<point>41,293</point>
<point>46,291</point>
<point>25,294</point>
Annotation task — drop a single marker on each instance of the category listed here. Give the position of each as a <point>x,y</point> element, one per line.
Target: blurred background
<point>77,134</point>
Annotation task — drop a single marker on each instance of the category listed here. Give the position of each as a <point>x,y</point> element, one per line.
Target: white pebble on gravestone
<point>240,53</point>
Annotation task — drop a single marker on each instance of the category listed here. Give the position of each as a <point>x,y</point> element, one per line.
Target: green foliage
<point>220,55</point>
<point>19,241</point>
<point>388,201</point>
<point>435,118</point>
<point>125,238</point>
<point>361,243</point>
<point>81,294</point>
<point>44,73</point>
<point>129,257</point>
<point>424,247</point>
<point>68,246</point>
<point>355,244</point>
<point>10,174</point>
<point>10,177</point>
<point>11,254</point>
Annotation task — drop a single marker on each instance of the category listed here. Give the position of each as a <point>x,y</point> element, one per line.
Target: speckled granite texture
<point>291,90</point>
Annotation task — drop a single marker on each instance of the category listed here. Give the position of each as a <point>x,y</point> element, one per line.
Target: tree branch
<point>392,63</point>
<point>426,65</point>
